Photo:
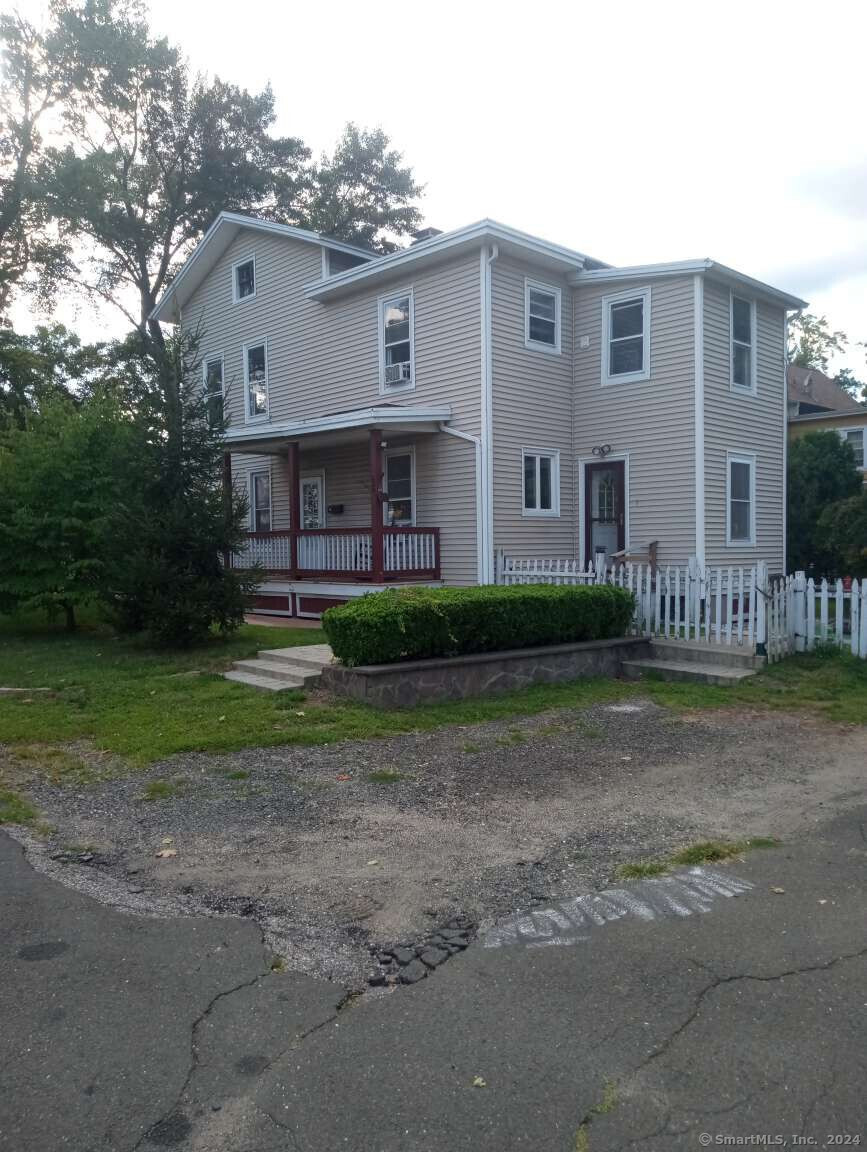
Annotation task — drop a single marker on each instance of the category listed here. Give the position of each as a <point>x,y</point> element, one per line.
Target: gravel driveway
<point>345,850</point>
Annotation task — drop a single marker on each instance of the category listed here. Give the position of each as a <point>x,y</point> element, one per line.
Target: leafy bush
<point>845,526</point>
<point>414,623</point>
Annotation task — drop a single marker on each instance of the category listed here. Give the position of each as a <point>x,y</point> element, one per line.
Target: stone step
<point>687,670</point>
<point>684,651</point>
<point>279,670</point>
<point>306,655</point>
<point>269,684</point>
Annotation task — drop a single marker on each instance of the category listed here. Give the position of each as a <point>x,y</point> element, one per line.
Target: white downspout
<point>698,402</point>
<point>480,533</point>
<point>487,257</point>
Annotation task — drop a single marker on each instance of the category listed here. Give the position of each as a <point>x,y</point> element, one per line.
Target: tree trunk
<point>69,609</point>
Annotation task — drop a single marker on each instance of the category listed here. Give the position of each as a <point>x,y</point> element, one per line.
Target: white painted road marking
<point>656,897</point>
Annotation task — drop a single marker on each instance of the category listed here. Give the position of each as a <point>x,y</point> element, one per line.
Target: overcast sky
<point>635,132</point>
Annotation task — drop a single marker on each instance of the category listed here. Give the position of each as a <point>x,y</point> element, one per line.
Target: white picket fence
<point>720,605</point>
<point>805,613</point>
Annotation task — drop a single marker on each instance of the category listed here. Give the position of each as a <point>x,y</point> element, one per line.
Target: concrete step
<point>688,670</point>
<point>684,651</point>
<point>279,670</point>
<point>306,655</point>
<point>268,683</point>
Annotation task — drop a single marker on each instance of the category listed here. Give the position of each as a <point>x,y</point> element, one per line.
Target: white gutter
<point>362,417</point>
<point>480,528</point>
<point>698,348</point>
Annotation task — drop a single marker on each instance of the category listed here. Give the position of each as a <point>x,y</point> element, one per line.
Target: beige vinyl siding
<point>652,421</point>
<point>531,408</point>
<point>738,422</point>
<point>324,358</point>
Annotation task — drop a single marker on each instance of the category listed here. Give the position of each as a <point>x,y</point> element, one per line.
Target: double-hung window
<point>626,337</point>
<point>256,381</point>
<point>741,499</point>
<point>260,501</point>
<point>856,438</point>
<point>244,279</point>
<point>213,381</point>
<point>541,316</point>
<point>396,368</point>
<point>541,483</point>
<point>743,351</point>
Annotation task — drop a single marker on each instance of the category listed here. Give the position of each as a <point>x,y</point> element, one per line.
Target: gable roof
<point>812,388</point>
<point>708,267</point>
<point>552,256</point>
<point>216,241</point>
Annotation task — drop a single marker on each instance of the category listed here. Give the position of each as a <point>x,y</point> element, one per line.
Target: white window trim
<point>552,290</point>
<point>251,483</point>
<point>553,512</point>
<point>642,294</point>
<point>740,458</point>
<point>752,389</point>
<point>316,475</point>
<point>382,304</point>
<point>862,428</point>
<point>262,416</point>
<point>237,264</point>
<point>406,450</point>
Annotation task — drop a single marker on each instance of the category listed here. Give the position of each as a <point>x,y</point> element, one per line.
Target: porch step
<point>306,655</point>
<point>266,682</point>
<point>692,651</point>
<point>277,669</point>
<point>688,670</point>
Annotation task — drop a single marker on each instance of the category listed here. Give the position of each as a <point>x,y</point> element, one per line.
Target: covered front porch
<point>333,504</point>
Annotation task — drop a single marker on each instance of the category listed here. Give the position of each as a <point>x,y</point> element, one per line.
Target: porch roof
<point>338,427</point>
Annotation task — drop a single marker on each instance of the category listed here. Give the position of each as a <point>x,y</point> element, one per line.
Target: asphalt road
<point>745,1019</point>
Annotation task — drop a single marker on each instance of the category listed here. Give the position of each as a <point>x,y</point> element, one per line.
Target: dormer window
<point>244,279</point>
<point>397,370</point>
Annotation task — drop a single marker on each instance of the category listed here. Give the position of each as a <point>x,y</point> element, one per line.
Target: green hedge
<point>412,623</point>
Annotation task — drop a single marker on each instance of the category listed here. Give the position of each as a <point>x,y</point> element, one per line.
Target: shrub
<point>414,623</point>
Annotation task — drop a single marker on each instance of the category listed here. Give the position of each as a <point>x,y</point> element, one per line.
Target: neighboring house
<point>402,418</point>
<point>817,403</point>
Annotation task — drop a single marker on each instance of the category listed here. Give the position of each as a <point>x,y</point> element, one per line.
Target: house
<point>818,403</point>
<point>402,418</point>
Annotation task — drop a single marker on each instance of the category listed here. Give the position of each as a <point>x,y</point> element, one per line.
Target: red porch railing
<point>346,553</point>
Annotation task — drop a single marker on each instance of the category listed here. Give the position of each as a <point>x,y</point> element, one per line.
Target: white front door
<point>313,500</point>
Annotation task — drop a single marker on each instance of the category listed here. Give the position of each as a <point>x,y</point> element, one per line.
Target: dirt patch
<point>343,850</point>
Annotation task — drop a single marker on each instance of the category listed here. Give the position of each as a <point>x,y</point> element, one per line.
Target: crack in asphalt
<point>720,981</point>
<point>194,1055</point>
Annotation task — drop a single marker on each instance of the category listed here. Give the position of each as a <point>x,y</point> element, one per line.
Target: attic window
<point>244,279</point>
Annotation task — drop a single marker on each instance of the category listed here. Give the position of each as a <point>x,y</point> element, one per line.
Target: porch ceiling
<point>338,428</point>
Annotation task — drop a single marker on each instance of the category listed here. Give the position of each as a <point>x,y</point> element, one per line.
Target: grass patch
<point>144,704</point>
<point>163,789</point>
<point>14,809</point>
<point>386,776</point>
<point>704,852</point>
<point>472,749</point>
<point>513,736</point>
<point>239,774</point>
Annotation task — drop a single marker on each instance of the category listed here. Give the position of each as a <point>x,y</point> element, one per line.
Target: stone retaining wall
<point>424,681</point>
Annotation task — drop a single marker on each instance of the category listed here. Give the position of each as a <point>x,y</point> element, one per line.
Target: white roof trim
<point>239,220</point>
<point>482,230</point>
<point>688,268</point>
<point>339,422</point>
<point>849,414</point>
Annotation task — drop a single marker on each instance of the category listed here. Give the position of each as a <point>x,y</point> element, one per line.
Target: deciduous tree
<point>821,472</point>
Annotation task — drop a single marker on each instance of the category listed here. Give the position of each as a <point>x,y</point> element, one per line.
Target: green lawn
<point>142,704</point>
